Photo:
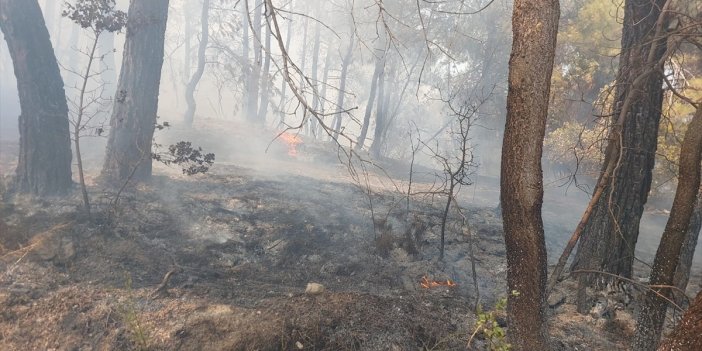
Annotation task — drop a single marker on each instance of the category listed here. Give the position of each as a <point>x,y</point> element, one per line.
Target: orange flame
<point>291,140</point>
<point>426,283</point>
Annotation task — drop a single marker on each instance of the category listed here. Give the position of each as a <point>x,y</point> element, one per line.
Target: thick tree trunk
<point>265,79</point>
<point>345,63</point>
<point>379,67</point>
<point>653,310</point>
<point>687,335</point>
<point>136,102</point>
<point>534,25</point>
<point>44,165</point>
<point>201,51</point>
<point>609,236</point>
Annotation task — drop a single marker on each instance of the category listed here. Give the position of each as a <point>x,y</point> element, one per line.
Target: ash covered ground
<point>221,261</point>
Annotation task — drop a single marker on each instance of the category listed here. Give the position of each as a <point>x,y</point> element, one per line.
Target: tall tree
<point>653,310</point>
<point>283,83</point>
<point>612,229</point>
<point>381,114</point>
<point>44,166</point>
<point>379,67</point>
<point>253,82</point>
<point>687,252</point>
<point>187,45</point>
<point>345,63</point>
<point>534,27</point>
<point>136,101</point>
<point>312,123</point>
<point>265,79</point>
<point>201,51</point>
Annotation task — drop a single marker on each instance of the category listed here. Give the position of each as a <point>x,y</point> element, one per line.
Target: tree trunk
<point>283,83</point>
<point>653,310</point>
<point>136,102</point>
<point>44,166</point>
<point>246,69</point>
<point>187,14</point>
<point>609,236</point>
<point>687,253</point>
<point>381,117</point>
<point>534,26</point>
<point>345,63</point>
<point>323,93</point>
<point>265,79</point>
<point>687,335</point>
<point>312,122</point>
<point>369,106</point>
<point>252,85</point>
<point>201,58</point>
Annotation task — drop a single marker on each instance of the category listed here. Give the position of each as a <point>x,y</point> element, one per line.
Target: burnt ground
<point>240,246</point>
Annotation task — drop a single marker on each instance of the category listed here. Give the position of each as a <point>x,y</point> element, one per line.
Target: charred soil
<point>221,261</point>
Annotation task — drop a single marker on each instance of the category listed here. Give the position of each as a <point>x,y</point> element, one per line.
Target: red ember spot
<point>426,283</point>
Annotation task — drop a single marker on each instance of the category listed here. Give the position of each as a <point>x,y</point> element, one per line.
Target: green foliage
<point>99,15</point>
<point>487,324</point>
<point>574,142</point>
<point>676,116</point>
<point>192,160</point>
<point>585,63</point>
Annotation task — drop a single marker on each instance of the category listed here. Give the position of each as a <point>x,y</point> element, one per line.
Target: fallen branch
<point>162,288</point>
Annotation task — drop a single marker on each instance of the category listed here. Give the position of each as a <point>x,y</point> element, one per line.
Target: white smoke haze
<point>434,62</point>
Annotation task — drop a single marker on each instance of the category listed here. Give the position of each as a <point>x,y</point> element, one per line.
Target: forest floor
<point>239,246</point>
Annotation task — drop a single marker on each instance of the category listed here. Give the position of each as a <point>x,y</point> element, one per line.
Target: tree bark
<point>187,16</point>
<point>245,47</point>
<point>610,234</point>
<point>653,310</point>
<point>687,253</point>
<point>312,122</point>
<point>687,335</point>
<point>323,93</point>
<point>44,166</point>
<point>253,82</point>
<point>345,63</point>
<point>136,102</point>
<point>381,116</point>
<point>371,101</point>
<point>201,58</point>
<point>265,79</point>
<point>283,83</point>
<point>534,26</point>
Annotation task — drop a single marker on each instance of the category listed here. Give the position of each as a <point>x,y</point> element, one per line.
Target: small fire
<point>426,283</point>
<point>291,140</point>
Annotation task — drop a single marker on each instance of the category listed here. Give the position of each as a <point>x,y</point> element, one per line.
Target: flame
<point>291,140</point>
<point>427,284</point>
